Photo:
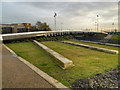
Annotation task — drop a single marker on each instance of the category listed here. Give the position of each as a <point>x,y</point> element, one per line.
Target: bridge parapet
<point>43,33</point>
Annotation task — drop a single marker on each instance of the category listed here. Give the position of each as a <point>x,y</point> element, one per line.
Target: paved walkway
<point>16,74</point>
<point>107,38</point>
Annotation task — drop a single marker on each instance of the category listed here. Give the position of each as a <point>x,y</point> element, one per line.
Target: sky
<point>70,15</point>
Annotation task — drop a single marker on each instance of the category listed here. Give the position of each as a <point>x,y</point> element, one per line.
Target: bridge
<point>14,36</point>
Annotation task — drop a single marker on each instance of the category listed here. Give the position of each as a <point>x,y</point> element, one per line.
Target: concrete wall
<point>92,47</point>
<point>63,62</point>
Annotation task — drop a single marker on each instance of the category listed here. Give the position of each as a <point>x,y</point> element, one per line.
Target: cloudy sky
<point>70,15</point>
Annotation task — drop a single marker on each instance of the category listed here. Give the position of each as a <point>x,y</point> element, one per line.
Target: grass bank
<point>87,62</point>
<point>115,36</point>
<point>115,39</point>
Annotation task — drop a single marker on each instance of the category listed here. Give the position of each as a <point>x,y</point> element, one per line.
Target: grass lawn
<point>94,44</point>
<point>115,39</point>
<point>115,36</point>
<point>87,62</point>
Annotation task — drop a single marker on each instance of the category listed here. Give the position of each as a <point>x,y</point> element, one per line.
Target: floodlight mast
<point>55,20</point>
<point>55,23</point>
<point>61,26</point>
<point>113,26</point>
<point>97,23</point>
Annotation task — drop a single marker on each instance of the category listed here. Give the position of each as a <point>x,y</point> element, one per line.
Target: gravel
<point>105,80</point>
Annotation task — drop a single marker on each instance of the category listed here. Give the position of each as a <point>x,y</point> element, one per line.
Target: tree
<point>42,26</point>
<point>39,25</point>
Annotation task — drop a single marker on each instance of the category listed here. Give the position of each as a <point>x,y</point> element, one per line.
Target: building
<point>14,28</point>
<point>23,27</point>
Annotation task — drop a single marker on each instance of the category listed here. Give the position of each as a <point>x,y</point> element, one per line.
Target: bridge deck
<point>42,33</point>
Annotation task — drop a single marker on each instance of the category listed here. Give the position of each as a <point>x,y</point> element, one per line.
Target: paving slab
<point>15,74</point>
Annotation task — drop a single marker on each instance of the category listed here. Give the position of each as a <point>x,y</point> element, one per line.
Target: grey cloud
<point>87,7</point>
<point>72,8</point>
<point>66,11</point>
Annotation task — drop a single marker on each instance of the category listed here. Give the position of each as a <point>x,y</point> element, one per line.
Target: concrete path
<point>16,74</point>
<point>106,39</point>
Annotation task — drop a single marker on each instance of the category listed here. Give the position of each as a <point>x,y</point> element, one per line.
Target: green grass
<point>93,44</point>
<point>87,62</point>
<point>115,39</point>
<point>114,36</point>
<point>34,54</point>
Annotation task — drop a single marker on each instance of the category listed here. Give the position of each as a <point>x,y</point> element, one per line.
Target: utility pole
<point>55,20</point>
